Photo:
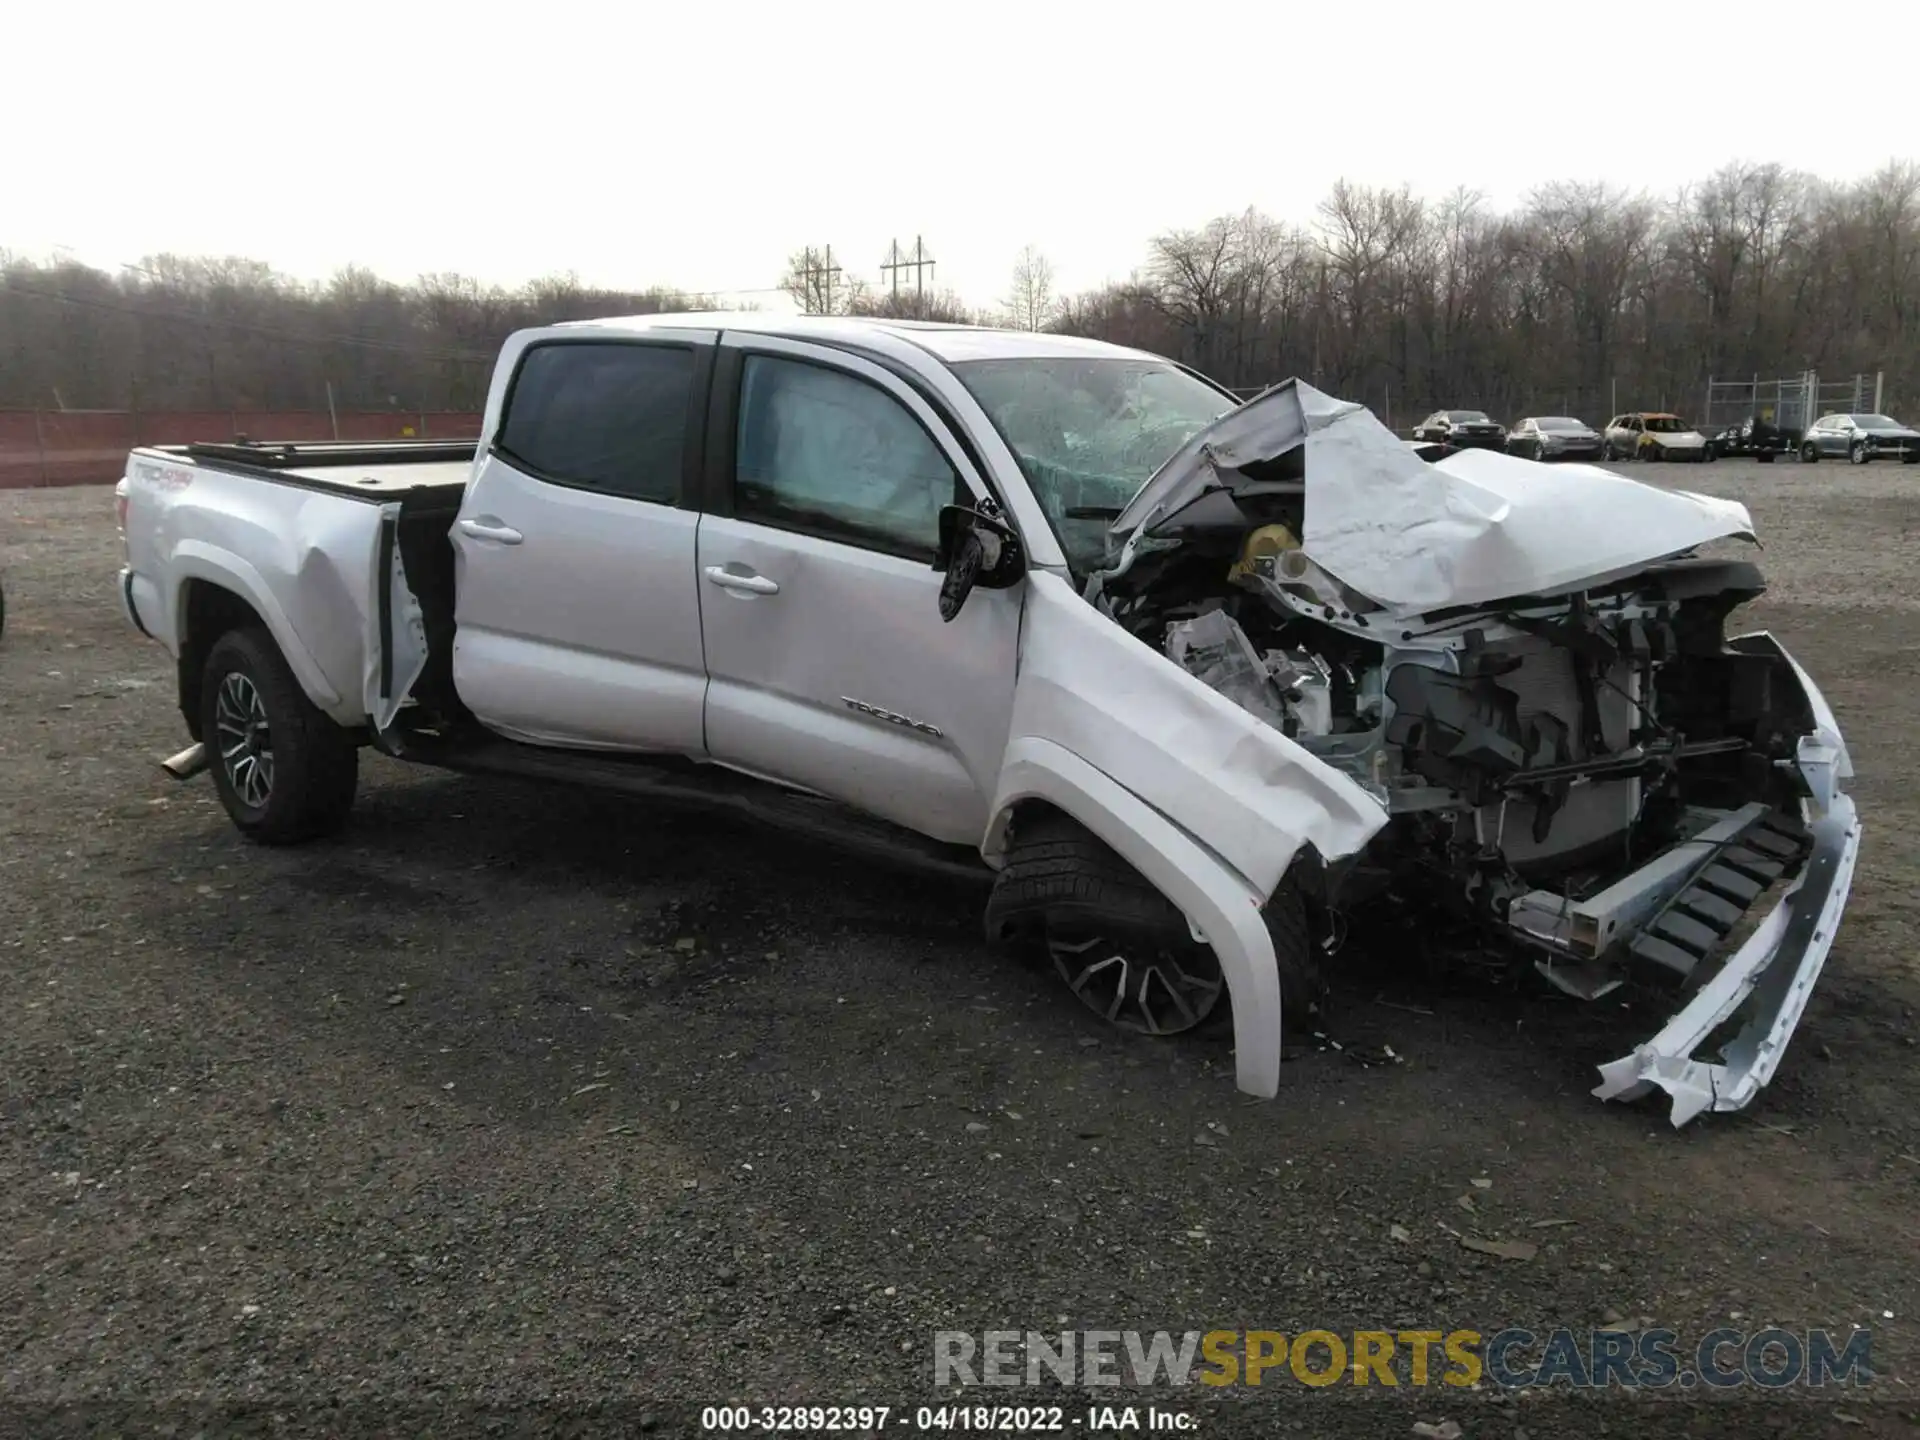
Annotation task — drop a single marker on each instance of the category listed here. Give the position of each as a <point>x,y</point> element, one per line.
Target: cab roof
<point>950,343</point>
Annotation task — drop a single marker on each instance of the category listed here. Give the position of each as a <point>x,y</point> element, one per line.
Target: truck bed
<point>340,550</point>
<point>375,471</point>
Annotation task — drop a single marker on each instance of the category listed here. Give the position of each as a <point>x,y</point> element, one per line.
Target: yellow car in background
<point>1652,435</point>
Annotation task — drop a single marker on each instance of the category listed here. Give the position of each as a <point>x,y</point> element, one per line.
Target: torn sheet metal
<point>395,646</point>
<point>1415,536</point>
<point>1243,789</point>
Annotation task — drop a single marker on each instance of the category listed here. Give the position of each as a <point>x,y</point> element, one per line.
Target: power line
<point>920,263</point>
<point>817,275</point>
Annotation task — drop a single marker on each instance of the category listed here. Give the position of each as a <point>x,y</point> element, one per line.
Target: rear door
<point>577,620</point>
<point>830,668</point>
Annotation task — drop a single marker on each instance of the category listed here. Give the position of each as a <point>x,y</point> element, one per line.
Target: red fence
<point>89,447</point>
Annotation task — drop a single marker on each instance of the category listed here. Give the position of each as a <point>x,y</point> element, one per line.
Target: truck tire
<point>285,772</point>
<point>1119,944</point>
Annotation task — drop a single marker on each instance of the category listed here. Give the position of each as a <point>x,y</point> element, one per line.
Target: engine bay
<point>1542,745</point>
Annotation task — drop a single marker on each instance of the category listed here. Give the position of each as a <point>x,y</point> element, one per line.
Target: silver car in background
<point>1553,437</point>
<point>1860,438</point>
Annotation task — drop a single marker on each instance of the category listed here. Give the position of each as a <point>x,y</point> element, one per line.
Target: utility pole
<point>818,273</point>
<point>920,264</point>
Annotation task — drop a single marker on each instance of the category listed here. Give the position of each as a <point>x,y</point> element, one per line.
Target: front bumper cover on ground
<point>1775,970</point>
<point>1773,973</point>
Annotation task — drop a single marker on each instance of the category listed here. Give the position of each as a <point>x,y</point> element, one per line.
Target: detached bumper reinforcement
<point>1772,974</point>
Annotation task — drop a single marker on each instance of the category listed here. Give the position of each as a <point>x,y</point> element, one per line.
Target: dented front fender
<point>1241,788</point>
<point>1210,805</point>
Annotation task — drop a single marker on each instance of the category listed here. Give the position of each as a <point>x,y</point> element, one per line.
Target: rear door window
<point>608,417</point>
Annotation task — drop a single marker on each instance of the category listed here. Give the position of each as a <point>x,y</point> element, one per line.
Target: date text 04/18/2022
<point>992,1419</point>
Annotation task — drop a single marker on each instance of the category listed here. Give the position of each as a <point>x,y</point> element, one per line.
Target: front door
<point>829,666</point>
<point>577,617</point>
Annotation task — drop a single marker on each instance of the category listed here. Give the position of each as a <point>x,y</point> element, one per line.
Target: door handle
<point>746,583</point>
<point>495,531</point>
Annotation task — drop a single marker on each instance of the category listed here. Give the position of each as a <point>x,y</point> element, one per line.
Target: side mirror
<point>977,551</point>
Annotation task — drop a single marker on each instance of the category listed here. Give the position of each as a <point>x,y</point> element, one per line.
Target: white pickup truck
<point>1200,681</point>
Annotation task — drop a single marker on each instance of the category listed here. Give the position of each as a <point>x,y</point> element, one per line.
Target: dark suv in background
<point>1462,430</point>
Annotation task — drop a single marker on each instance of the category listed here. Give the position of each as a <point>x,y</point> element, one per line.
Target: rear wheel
<point>284,771</point>
<point>1122,948</point>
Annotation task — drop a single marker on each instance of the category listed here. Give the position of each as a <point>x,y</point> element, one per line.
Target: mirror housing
<point>978,550</point>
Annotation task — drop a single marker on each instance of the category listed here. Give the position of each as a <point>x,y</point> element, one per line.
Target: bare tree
<point>943,306</point>
<point>817,284</point>
<point>1030,302</point>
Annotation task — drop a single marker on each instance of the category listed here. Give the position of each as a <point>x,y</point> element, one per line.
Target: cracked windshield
<point>1089,433</point>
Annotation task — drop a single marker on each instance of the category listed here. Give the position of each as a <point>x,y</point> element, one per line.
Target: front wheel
<point>284,771</point>
<point>1122,948</point>
<point>1857,454</point>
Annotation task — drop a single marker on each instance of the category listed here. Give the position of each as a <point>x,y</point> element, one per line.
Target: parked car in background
<point>1462,429</point>
<point>1861,438</point>
<point>1553,437</point>
<point>1652,435</point>
<point>1752,437</point>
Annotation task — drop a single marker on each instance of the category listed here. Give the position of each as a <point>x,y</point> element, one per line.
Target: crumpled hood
<point>1412,536</point>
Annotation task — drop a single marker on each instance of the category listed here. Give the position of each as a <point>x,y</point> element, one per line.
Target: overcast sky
<point>698,144</point>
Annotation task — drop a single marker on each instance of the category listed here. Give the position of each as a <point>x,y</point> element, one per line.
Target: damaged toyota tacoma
<point>1195,681</point>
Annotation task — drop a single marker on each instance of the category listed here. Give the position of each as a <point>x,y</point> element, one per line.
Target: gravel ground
<point>523,1096</point>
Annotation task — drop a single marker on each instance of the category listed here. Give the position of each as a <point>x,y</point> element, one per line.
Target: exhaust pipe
<point>187,764</point>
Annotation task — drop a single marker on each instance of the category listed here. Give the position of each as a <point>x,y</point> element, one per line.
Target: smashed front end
<point>1530,671</point>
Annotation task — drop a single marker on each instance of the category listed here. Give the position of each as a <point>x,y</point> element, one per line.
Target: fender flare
<point>1221,903</point>
<point>195,560</point>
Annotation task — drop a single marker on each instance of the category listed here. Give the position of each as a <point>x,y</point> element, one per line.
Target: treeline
<point>176,333</point>
<point>1585,292</point>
